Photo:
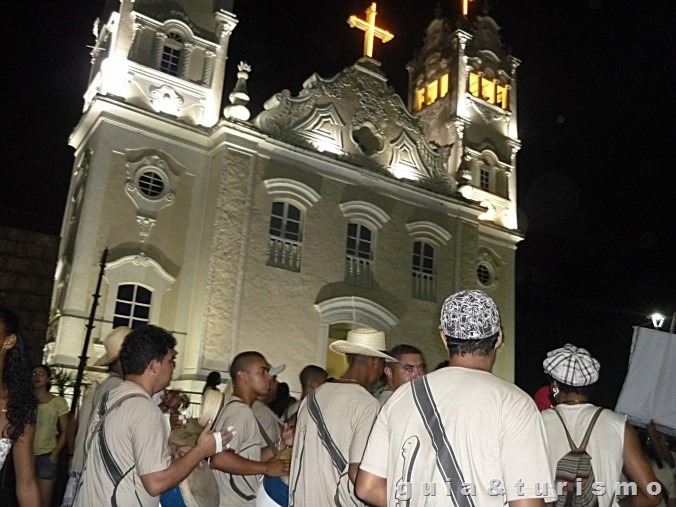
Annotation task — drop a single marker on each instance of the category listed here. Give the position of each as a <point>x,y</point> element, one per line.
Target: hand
<point>54,458</point>
<point>206,443</point>
<point>277,467</point>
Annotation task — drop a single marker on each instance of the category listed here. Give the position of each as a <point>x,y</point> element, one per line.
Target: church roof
<point>355,116</point>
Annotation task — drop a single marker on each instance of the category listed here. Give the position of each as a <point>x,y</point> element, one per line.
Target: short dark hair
<point>242,362</point>
<point>586,391</point>
<point>143,345</point>
<point>403,348</point>
<point>482,347</point>
<point>310,373</point>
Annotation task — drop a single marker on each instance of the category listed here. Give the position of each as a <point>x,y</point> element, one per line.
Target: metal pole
<point>673,323</point>
<point>90,327</point>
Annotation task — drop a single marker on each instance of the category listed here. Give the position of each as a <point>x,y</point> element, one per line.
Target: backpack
<point>574,473</point>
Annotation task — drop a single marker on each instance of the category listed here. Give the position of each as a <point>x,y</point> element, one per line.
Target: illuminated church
<point>279,230</point>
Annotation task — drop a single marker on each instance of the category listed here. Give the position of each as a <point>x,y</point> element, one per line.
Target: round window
<point>151,184</point>
<point>483,274</point>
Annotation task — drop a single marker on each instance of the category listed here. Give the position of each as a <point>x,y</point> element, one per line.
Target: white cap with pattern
<point>469,315</point>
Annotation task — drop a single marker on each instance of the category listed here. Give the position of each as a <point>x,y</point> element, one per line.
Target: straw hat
<point>212,402</point>
<point>363,341</point>
<point>113,343</point>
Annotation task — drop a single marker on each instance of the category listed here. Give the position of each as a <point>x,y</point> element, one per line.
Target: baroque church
<point>341,206</point>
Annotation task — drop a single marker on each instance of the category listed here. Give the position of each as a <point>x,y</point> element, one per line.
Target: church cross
<point>371,31</point>
<point>465,7</point>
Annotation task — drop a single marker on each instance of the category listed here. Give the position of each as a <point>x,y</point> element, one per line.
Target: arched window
<point>285,241</point>
<point>171,53</point>
<point>423,270</point>
<point>359,255</point>
<point>132,306</point>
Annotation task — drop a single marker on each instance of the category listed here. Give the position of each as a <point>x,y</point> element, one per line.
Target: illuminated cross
<point>465,7</point>
<point>371,31</point>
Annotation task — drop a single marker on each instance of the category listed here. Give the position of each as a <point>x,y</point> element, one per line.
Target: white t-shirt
<point>348,411</point>
<point>605,443</point>
<point>494,431</point>
<point>132,441</point>
<point>268,419</point>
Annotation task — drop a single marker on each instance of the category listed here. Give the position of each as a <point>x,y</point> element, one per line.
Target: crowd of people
<point>384,433</point>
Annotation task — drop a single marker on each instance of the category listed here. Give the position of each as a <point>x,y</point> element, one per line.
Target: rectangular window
<point>132,306</point>
<point>422,271</point>
<point>170,59</point>
<point>443,85</point>
<point>485,178</point>
<point>284,243</point>
<point>488,90</point>
<point>419,99</point>
<point>359,258</point>
<point>502,96</point>
<point>432,92</point>
<point>474,80</point>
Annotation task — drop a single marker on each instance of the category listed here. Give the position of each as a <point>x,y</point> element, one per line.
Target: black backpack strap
<point>565,428</point>
<point>339,461</point>
<point>447,463</point>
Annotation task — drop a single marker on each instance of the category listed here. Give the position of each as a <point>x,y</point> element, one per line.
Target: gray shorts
<point>44,468</point>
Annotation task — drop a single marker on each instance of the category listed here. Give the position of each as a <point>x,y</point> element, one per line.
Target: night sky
<point>596,174</point>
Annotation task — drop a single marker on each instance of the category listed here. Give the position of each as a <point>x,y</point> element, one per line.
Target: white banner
<point>649,391</point>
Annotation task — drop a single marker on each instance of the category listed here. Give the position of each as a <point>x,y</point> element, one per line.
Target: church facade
<point>337,207</point>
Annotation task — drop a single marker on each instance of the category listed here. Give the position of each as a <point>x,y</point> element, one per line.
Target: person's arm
<point>156,483</point>
<point>63,434</point>
<point>371,488</point>
<point>27,491</point>
<point>638,469</point>
<point>233,463</point>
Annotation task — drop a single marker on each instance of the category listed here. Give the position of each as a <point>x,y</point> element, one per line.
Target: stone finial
<point>239,97</point>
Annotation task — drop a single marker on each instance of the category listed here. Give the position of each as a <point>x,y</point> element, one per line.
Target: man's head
<point>250,373</point>
<point>311,377</point>
<point>148,351</point>
<point>364,348</point>
<point>470,324</point>
<point>411,365</point>
<point>572,370</point>
<point>113,344</point>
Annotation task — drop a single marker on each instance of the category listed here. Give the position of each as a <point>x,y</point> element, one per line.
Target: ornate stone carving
<point>164,99</point>
<point>488,114</point>
<point>145,224</point>
<point>360,97</point>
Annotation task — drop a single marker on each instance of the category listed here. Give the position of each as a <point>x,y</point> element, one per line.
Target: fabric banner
<point>649,391</point>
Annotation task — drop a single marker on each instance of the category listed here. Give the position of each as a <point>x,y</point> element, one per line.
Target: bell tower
<point>166,57</point>
<point>462,86</point>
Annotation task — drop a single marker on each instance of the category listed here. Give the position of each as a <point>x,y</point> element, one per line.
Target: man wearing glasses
<point>411,365</point>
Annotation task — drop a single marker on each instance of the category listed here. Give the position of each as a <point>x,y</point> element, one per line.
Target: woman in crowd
<point>17,413</point>
<point>50,432</point>
<point>213,381</point>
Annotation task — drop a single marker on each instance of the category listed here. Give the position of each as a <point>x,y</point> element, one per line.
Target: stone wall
<point>27,263</point>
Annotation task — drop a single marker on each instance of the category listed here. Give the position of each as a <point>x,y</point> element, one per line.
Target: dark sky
<point>596,174</point>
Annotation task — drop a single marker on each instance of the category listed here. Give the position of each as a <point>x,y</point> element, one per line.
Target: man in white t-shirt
<point>333,425</point>
<point>410,365</point>
<point>458,436</point>
<point>128,461</point>
<point>613,444</point>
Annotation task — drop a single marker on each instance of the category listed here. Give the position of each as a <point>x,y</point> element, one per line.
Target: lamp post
<point>658,319</point>
<point>90,327</point>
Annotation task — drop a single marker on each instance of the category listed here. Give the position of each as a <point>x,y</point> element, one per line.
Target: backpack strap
<point>339,461</point>
<point>585,440</point>
<point>447,463</point>
<point>587,434</point>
